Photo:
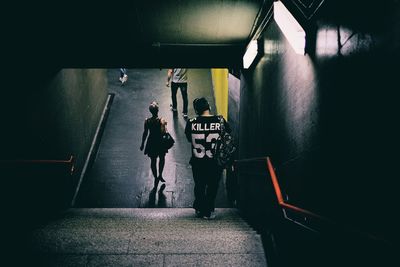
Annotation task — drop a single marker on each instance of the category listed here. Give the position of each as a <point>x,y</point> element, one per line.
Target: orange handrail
<point>279,196</point>
<point>277,188</point>
<point>70,161</point>
<point>283,204</point>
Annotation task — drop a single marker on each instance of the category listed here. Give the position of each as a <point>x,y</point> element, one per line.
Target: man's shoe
<point>161,179</point>
<point>184,115</point>
<point>198,214</point>
<point>171,108</point>
<point>210,216</point>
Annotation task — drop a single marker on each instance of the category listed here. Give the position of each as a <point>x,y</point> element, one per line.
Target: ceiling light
<point>250,54</point>
<point>292,30</point>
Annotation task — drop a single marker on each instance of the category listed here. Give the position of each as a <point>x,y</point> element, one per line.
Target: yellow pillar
<point>220,84</point>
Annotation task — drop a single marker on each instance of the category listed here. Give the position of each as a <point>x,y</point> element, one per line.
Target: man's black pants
<point>174,90</point>
<point>206,181</point>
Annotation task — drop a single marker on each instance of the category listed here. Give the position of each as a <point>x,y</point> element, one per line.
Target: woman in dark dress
<point>156,126</point>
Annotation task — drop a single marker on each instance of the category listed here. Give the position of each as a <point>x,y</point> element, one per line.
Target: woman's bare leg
<point>161,164</point>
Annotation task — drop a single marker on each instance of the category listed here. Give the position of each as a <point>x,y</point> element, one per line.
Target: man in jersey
<point>178,79</point>
<point>202,132</point>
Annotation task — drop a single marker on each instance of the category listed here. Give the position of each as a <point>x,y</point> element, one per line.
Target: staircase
<point>146,237</point>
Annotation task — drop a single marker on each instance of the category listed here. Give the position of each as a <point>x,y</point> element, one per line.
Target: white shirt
<point>179,76</point>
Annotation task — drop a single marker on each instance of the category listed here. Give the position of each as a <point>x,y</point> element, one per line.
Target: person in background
<point>202,132</point>
<point>156,127</point>
<point>123,76</point>
<point>177,78</point>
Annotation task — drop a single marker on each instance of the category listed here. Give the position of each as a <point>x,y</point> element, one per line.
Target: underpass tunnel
<point>325,115</point>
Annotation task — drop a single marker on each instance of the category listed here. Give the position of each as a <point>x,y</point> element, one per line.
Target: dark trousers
<point>174,90</point>
<point>206,181</point>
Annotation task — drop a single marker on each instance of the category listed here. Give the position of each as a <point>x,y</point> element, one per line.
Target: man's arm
<point>188,131</point>
<point>169,76</point>
<point>227,126</point>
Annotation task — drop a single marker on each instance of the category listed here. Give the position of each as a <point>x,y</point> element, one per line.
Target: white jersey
<point>202,132</point>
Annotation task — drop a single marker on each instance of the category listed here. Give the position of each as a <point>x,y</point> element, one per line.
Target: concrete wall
<point>77,98</point>
<point>234,104</point>
<point>328,118</point>
<point>51,115</point>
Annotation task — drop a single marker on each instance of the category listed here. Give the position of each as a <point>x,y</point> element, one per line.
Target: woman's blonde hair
<point>153,108</point>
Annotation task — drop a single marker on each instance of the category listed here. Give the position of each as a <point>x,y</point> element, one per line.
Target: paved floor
<point>121,176</point>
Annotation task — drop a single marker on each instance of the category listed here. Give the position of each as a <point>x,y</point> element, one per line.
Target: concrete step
<point>142,219</point>
<point>120,242</point>
<point>151,260</point>
<point>148,213</point>
<point>121,236</point>
<point>134,225</point>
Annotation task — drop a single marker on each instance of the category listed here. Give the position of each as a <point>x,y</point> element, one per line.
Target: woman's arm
<point>163,125</point>
<point>145,133</point>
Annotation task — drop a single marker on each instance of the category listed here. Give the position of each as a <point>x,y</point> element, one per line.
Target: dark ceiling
<point>143,33</point>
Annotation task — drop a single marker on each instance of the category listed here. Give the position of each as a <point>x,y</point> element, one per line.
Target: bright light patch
<point>250,54</point>
<point>333,41</point>
<point>290,28</point>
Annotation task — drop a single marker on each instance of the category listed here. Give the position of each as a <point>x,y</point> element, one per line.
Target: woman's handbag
<point>167,141</point>
<point>225,147</point>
